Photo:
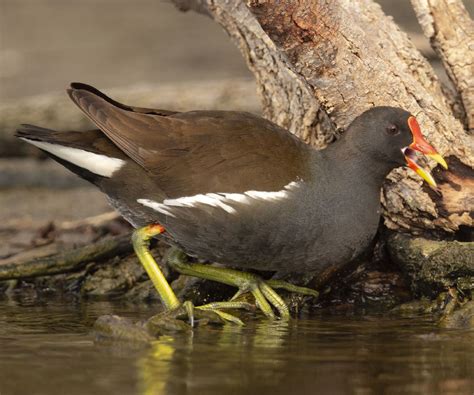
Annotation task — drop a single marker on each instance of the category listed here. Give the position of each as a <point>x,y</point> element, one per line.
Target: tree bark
<point>319,64</point>
<point>451,32</point>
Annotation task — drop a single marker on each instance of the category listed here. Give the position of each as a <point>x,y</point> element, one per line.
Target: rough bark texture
<point>319,64</point>
<point>451,32</point>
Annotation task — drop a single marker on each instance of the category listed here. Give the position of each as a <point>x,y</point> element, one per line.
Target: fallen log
<point>35,263</point>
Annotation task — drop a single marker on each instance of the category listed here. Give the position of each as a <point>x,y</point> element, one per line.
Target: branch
<point>451,32</point>
<point>34,263</point>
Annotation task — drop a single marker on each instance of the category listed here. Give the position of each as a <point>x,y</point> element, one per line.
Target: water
<point>47,348</point>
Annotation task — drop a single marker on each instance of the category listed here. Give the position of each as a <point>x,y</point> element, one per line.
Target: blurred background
<point>45,44</point>
<point>143,52</point>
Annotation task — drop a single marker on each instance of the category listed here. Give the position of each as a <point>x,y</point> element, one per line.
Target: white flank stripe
<point>267,195</point>
<point>221,200</point>
<point>237,197</point>
<point>98,164</point>
<point>211,199</point>
<point>218,201</point>
<point>160,207</point>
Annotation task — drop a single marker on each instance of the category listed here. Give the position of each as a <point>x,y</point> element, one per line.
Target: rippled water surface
<point>48,349</point>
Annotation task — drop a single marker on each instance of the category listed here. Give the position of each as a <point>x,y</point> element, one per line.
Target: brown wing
<point>200,151</point>
<point>96,92</point>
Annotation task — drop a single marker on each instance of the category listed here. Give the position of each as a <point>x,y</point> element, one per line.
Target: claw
<point>228,317</point>
<point>189,307</point>
<point>239,293</point>
<point>174,320</point>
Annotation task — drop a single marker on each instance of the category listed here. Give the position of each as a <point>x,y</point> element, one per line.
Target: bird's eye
<point>392,130</point>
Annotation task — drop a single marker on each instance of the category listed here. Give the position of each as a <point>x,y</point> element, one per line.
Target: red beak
<point>421,145</point>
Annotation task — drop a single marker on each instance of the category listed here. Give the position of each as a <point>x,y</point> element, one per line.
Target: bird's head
<point>392,137</point>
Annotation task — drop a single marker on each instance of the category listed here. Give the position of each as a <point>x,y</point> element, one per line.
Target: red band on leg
<point>155,229</point>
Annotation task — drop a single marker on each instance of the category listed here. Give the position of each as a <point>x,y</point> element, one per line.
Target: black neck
<point>354,166</point>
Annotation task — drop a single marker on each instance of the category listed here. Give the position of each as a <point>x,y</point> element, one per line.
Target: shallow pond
<point>47,348</point>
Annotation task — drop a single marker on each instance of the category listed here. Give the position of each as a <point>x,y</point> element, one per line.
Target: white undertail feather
<point>222,200</point>
<point>101,165</point>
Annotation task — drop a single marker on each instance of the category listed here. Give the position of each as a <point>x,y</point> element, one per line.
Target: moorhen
<point>234,188</point>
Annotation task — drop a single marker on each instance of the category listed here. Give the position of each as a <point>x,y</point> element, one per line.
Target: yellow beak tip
<point>427,177</point>
<point>439,159</point>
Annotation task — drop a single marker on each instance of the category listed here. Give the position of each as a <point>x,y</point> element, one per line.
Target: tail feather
<point>32,132</point>
<point>82,152</point>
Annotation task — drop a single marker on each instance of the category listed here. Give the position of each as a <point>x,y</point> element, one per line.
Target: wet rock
<point>142,292</point>
<point>115,278</point>
<point>463,317</point>
<point>159,325</point>
<point>452,309</point>
<point>420,306</point>
<point>371,285</point>
<point>444,304</point>
<point>376,288</point>
<point>433,266</point>
<point>113,327</point>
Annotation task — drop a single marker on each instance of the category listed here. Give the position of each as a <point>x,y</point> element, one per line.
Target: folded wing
<point>199,152</point>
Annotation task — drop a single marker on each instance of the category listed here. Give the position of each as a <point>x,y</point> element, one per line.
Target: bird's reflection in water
<point>326,354</point>
<point>155,366</point>
<point>212,357</point>
<point>331,355</point>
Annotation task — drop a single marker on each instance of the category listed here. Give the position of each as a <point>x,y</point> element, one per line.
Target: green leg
<point>265,296</point>
<point>141,243</point>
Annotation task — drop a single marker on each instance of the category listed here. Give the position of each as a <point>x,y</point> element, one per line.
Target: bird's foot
<point>175,310</point>
<point>280,284</point>
<point>175,320</point>
<point>265,296</point>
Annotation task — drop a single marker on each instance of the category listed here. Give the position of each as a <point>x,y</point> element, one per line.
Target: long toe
<point>188,316</point>
<point>279,284</point>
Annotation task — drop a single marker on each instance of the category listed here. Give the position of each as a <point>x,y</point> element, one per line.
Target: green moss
<point>432,266</point>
